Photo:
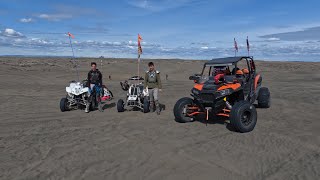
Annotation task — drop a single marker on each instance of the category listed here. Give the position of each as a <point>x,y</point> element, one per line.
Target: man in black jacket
<point>94,79</point>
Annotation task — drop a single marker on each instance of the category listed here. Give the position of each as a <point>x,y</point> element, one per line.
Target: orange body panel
<point>195,113</point>
<point>223,114</point>
<point>227,86</point>
<point>198,86</point>
<point>245,71</point>
<point>256,81</point>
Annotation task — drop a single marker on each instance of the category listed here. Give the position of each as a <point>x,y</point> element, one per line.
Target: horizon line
<point>129,58</point>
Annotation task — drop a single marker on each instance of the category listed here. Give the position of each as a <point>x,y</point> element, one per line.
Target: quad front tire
<point>120,105</point>
<point>180,111</point>
<point>63,104</point>
<point>243,116</point>
<point>264,98</point>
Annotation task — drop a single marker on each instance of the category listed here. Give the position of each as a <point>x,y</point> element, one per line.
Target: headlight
<point>77,90</point>
<point>223,93</point>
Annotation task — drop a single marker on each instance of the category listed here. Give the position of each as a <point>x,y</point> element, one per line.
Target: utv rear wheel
<point>180,112</point>
<point>243,116</point>
<point>120,105</point>
<point>146,105</point>
<point>264,98</point>
<point>63,104</point>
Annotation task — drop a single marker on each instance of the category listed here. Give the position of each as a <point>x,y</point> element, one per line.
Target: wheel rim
<point>184,111</point>
<point>246,118</point>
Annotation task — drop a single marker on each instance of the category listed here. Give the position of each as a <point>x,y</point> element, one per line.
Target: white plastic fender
<point>76,88</point>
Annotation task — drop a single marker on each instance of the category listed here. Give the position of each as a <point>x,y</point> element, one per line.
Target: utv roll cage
<point>231,61</point>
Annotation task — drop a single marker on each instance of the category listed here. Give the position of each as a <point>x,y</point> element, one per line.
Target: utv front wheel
<point>180,110</point>
<point>243,116</point>
<point>264,98</point>
<point>63,104</point>
<point>120,105</point>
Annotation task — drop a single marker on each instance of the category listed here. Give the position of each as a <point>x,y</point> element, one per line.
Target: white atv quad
<point>137,98</point>
<point>77,96</point>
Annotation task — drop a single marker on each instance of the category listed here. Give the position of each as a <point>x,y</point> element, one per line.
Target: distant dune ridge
<point>37,141</point>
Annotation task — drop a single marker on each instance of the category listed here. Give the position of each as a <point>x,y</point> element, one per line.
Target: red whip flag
<point>235,45</point>
<point>139,44</point>
<point>70,35</point>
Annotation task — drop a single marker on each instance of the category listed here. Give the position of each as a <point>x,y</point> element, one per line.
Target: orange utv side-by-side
<point>226,87</point>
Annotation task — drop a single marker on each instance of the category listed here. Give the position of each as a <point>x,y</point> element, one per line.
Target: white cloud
<point>157,5</point>
<point>54,17</point>
<point>26,20</point>
<point>44,16</point>
<point>312,33</point>
<point>11,33</point>
<point>61,12</point>
<point>268,50</point>
<point>273,39</point>
<point>143,4</point>
<point>116,43</point>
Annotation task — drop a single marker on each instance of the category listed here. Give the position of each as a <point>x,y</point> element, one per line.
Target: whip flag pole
<point>73,58</point>
<point>139,54</point>
<point>248,46</point>
<point>235,47</point>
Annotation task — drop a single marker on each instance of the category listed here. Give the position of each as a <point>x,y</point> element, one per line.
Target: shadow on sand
<point>215,120</point>
<point>108,106</point>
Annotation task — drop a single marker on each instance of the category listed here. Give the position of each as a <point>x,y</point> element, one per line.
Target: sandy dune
<point>37,141</point>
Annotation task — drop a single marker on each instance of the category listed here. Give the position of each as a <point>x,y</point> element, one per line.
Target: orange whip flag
<point>139,44</point>
<point>70,35</point>
<point>139,53</point>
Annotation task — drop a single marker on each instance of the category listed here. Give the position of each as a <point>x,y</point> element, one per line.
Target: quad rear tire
<point>146,105</point>
<point>120,105</point>
<point>264,98</point>
<point>179,110</point>
<point>243,116</point>
<point>63,104</point>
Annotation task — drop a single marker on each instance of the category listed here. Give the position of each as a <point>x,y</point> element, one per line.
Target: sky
<point>286,30</point>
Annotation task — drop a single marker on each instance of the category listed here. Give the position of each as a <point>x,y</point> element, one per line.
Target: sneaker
<point>158,111</point>
<point>87,109</point>
<point>152,109</point>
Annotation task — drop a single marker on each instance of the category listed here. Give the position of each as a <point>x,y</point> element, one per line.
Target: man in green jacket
<point>152,81</point>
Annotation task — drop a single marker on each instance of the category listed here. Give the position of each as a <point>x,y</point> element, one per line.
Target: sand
<point>37,141</point>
